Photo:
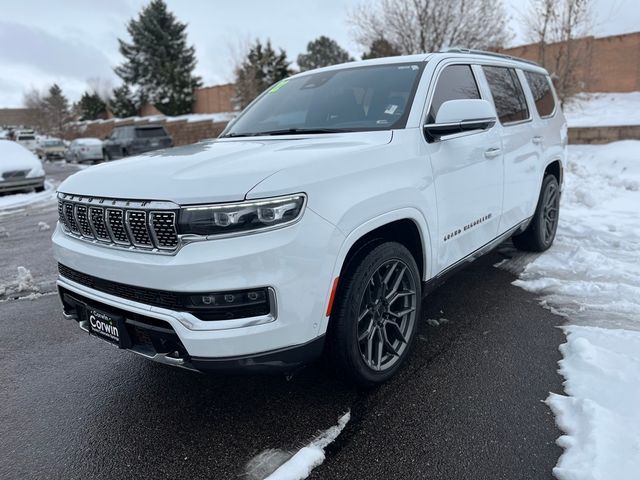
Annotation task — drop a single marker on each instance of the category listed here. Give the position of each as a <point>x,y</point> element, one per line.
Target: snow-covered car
<point>51,149</point>
<point>19,168</point>
<point>319,217</point>
<point>26,138</point>
<point>84,150</point>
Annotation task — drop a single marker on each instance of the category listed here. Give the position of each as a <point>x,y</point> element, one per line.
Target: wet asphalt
<point>468,403</point>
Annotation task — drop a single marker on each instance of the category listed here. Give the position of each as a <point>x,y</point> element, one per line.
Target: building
<point>17,117</point>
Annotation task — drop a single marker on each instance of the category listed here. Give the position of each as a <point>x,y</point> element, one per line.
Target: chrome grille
<point>138,228</point>
<point>83,221</point>
<point>134,225</point>
<point>115,225</point>
<point>96,214</point>
<point>164,224</point>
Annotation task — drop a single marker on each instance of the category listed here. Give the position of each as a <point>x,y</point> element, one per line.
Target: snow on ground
<point>591,275</point>
<point>603,109</point>
<point>282,465</point>
<point>600,416</point>
<point>11,202</point>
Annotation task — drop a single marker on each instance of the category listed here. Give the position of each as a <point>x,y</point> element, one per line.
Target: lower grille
<point>121,223</point>
<point>177,301</point>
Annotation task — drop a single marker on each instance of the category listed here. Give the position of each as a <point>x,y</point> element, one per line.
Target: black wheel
<point>541,232</point>
<point>374,322</point>
<point>106,156</point>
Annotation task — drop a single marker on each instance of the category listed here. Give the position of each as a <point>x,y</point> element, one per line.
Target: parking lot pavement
<point>467,404</point>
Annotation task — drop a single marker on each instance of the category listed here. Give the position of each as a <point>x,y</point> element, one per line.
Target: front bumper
<point>20,184</point>
<point>296,262</point>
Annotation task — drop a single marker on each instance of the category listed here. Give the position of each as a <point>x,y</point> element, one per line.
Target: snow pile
<point>601,417</point>
<point>603,109</point>
<point>591,275</point>
<point>43,226</point>
<point>12,201</point>
<point>300,465</point>
<point>24,280</point>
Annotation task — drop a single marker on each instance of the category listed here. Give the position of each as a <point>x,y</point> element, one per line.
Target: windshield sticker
<point>391,109</point>
<point>279,85</point>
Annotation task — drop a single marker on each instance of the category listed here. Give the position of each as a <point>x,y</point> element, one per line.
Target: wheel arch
<point>407,226</point>
<point>554,167</point>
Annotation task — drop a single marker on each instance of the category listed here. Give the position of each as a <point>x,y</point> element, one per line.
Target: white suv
<point>319,218</point>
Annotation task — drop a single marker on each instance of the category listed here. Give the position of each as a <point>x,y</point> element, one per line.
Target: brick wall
<point>182,132</point>
<point>595,135</point>
<point>214,99</point>
<point>608,64</point>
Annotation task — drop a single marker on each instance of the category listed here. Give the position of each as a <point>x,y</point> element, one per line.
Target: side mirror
<point>457,116</point>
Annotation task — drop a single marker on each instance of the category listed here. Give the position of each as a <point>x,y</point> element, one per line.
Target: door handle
<point>492,152</point>
<point>537,139</point>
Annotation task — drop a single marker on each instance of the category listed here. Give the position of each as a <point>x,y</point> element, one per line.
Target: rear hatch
<point>91,150</point>
<point>150,137</point>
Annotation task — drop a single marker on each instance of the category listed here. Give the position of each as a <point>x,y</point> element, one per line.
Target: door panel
<point>468,175</point>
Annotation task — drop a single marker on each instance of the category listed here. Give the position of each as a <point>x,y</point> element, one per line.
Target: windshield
<point>26,137</point>
<point>351,99</point>
<point>53,143</point>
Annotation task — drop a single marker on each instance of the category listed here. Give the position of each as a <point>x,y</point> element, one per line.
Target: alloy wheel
<point>550,211</point>
<point>387,315</point>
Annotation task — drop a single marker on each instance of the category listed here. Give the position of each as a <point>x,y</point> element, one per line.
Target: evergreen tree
<point>381,48</point>
<point>56,108</point>
<point>122,103</point>
<point>261,68</point>
<point>158,62</point>
<point>322,52</point>
<point>91,106</point>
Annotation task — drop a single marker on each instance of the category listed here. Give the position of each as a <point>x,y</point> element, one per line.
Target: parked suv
<point>319,218</point>
<point>135,139</point>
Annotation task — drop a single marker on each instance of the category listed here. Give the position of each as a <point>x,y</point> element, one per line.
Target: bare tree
<point>415,26</point>
<point>556,26</point>
<point>33,99</point>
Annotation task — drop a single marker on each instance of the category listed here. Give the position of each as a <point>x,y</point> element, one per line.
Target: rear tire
<point>374,321</point>
<point>541,232</point>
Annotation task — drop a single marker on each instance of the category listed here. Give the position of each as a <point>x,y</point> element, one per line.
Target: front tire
<point>374,322</point>
<point>541,232</point>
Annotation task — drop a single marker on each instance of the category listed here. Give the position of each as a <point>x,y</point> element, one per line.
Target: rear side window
<point>456,82</point>
<point>541,89</point>
<point>508,95</point>
<point>150,132</point>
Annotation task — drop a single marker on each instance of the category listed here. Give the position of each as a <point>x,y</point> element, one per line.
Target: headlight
<point>241,217</point>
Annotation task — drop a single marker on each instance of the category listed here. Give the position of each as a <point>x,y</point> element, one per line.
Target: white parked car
<point>84,150</point>
<point>19,168</point>
<point>319,218</point>
<point>27,138</point>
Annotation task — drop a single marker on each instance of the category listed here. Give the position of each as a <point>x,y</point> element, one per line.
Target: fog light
<point>237,299</point>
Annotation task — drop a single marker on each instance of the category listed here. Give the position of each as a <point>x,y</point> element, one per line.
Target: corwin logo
<point>103,325</point>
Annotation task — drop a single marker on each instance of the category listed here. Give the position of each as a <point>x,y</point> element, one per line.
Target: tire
<point>106,156</point>
<point>386,326</point>
<point>541,232</point>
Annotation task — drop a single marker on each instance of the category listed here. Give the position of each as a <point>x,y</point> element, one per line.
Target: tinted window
<point>542,94</point>
<point>361,98</point>
<point>149,132</point>
<point>508,96</point>
<point>456,82</point>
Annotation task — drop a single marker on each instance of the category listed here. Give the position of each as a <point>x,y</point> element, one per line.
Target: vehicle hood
<point>212,171</point>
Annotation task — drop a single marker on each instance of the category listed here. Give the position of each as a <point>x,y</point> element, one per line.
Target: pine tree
<point>158,63</point>
<point>322,52</point>
<point>91,106</point>
<point>261,68</point>
<point>381,48</point>
<point>56,108</point>
<point>122,103</point>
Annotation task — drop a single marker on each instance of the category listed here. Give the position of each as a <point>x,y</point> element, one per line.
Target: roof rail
<point>484,52</point>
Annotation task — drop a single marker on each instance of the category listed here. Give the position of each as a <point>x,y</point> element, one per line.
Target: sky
<point>74,42</point>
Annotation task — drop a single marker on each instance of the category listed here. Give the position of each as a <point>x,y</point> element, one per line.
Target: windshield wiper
<point>288,131</point>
